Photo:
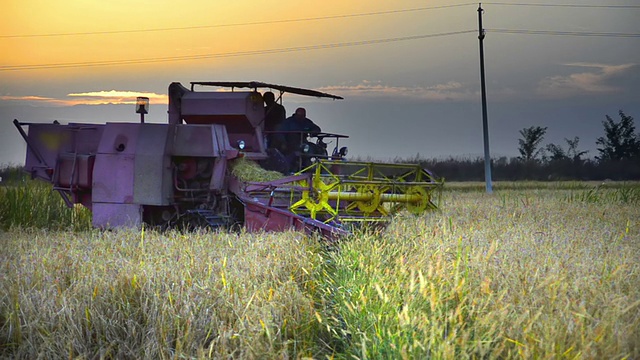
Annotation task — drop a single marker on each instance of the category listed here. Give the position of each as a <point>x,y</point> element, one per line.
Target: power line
<point>310,19</point>
<point>222,55</point>
<point>236,24</point>
<point>304,48</point>
<point>568,5</point>
<point>565,33</point>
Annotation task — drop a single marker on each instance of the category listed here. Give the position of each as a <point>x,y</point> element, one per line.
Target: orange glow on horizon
<point>210,34</point>
<point>112,97</point>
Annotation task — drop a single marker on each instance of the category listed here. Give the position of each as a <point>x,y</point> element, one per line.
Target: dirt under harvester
<point>185,172</point>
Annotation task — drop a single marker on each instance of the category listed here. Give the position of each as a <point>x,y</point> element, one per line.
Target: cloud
<point>115,97</point>
<point>33,100</point>
<point>450,91</point>
<point>118,97</point>
<point>600,79</point>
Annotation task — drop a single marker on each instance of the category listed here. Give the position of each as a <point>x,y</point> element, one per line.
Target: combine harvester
<point>184,173</point>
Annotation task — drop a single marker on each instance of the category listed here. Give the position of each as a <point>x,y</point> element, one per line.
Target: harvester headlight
<point>306,148</point>
<point>241,144</point>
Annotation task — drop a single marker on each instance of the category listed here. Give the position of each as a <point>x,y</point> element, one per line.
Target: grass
<point>150,295</point>
<point>30,203</point>
<point>248,171</point>
<point>532,277</point>
<point>546,271</point>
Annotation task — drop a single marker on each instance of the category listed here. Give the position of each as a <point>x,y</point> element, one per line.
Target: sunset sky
<point>408,70</point>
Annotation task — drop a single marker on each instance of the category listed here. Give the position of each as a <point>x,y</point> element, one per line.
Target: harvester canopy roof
<point>257,84</point>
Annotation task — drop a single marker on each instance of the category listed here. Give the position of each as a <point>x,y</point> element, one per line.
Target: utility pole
<point>485,125</point>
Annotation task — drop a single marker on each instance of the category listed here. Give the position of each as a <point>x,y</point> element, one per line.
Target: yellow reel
<point>372,204</point>
<point>316,199</point>
<point>421,199</point>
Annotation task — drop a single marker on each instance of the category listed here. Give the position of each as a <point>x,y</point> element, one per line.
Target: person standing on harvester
<point>274,116</point>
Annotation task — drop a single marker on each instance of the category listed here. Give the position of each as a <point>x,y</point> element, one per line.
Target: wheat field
<point>533,271</point>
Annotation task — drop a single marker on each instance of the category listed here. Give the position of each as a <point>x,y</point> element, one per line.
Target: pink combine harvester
<point>180,173</point>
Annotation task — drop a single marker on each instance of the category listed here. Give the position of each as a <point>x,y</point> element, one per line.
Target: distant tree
<point>556,152</point>
<point>572,151</point>
<point>620,140</point>
<point>530,142</point>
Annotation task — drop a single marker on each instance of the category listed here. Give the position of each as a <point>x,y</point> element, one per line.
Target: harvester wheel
<point>316,199</point>
<point>419,206</point>
<point>371,205</point>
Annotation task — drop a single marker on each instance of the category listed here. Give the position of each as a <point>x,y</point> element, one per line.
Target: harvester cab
<point>242,113</point>
<point>186,172</point>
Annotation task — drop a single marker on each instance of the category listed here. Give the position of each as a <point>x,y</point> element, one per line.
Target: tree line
<point>618,158</point>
